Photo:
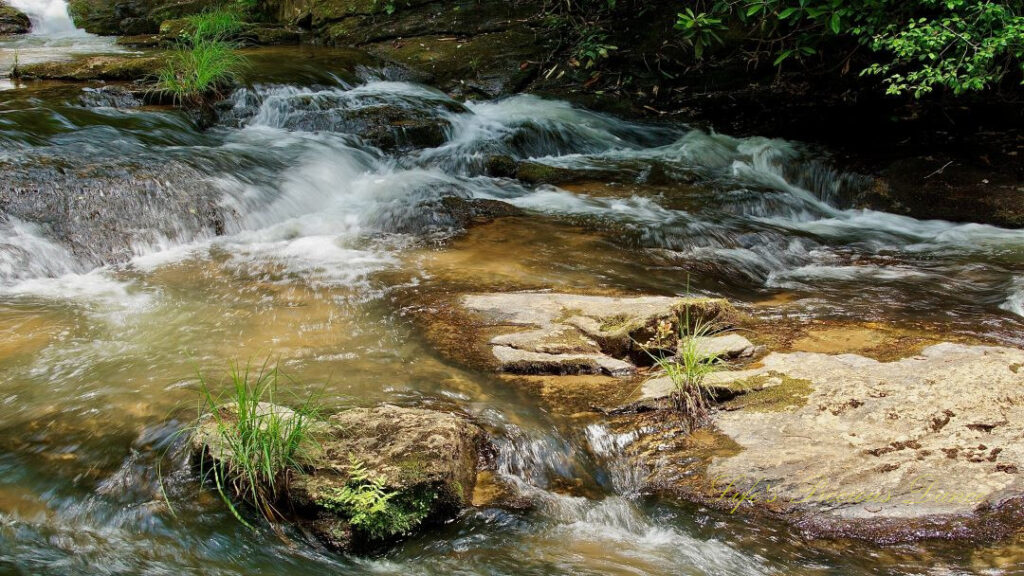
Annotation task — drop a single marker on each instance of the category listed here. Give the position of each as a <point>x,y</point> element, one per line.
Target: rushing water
<point>135,250</point>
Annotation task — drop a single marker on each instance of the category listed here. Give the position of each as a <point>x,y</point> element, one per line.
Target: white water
<point>49,17</point>
<point>319,204</point>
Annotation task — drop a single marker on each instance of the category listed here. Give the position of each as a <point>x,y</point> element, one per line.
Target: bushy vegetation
<point>205,60</point>
<point>372,509</point>
<point>912,46</point>
<point>918,45</point>
<point>256,445</point>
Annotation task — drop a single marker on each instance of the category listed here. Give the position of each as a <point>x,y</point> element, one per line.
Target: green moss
<point>617,323</point>
<point>413,470</point>
<point>765,395</point>
<point>95,16</point>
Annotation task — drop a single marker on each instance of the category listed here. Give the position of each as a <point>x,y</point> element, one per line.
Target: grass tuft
<point>205,60</point>
<point>256,446</point>
<point>689,367</point>
<point>219,24</point>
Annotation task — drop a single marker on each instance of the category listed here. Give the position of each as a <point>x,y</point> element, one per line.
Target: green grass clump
<point>256,445</point>
<point>689,367</point>
<point>199,69</point>
<point>374,510</point>
<point>205,60</point>
<point>220,24</point>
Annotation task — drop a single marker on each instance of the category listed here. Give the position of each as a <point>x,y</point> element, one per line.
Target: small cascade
<point>49,17</point>
<point>311,179</point>
<point>626,477</point>
<point>26,252</point>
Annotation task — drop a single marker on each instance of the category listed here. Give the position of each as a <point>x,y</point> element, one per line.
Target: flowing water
<point>136,249</point>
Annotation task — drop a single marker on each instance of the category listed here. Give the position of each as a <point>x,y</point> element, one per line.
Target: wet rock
<point>955,190</point>
<point>429,460</point>
<point>538,173</point>
<point>131,17</point>
<point>111,68</point>
<point>356,22</point>
<point>105,212</point>
<point>489,64</point>
<point>13,21</point>
<point>847,446</point>
<point>141,41</point>
<point>266,35</point>
<point>501,166</point>
<point>109,97</point>
<point>543,333</point>
<point>389,127</point>
<point>95,16</point>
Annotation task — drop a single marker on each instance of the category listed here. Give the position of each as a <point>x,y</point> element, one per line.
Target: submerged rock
<point>846,446</point>
<point>427,459</point>
<point>105,213</point>
<point>12,20</point>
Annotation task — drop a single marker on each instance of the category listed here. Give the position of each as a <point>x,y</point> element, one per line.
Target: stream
<point>136,250</point>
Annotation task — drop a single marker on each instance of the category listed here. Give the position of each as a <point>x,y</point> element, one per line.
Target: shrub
<point>205,60</point>
<point>220,24</point>
<point>256,445</point>
<point>920,45</point>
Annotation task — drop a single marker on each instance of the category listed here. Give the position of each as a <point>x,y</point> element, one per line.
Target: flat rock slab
<point>550,333</point>
<point>927,446</point>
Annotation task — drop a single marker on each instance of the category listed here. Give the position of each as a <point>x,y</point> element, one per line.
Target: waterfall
<point>49,17</point>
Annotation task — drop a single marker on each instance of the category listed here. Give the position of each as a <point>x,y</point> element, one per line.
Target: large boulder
<point>104,210</point>
<point>427,459</point>
<point>131,17</point>
<point>928,446</point>
<point>12,20</point>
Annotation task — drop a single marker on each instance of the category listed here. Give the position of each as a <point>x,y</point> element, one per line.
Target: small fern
<point>371,508</point>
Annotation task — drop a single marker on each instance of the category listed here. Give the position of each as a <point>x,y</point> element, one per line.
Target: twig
<point>939,171</point>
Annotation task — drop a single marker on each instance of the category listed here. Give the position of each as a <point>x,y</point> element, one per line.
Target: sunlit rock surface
<point>928,446</point>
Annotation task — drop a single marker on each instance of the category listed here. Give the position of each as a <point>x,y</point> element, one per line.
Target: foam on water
<point>1015,303</point>
<point>309,198</point>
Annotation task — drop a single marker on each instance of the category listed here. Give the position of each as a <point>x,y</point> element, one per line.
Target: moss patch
<point>770,392</point>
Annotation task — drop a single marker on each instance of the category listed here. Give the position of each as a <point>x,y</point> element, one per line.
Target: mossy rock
<point>95,16</point>
<point>426,460</point>
<point>110,68</point>
<point>132,17</point>
<point>490,64</point>
<point>13,21</point>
